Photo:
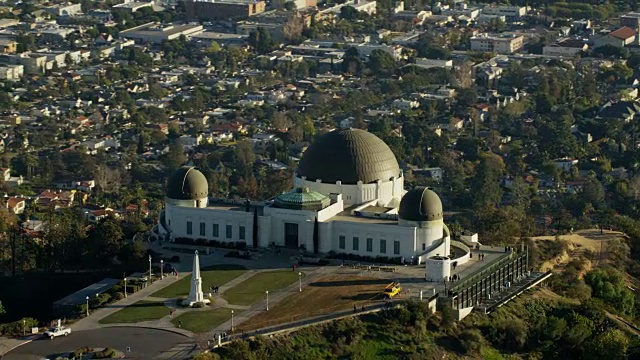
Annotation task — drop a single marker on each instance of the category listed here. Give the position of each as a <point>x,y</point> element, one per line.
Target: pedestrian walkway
<point>92,321</point>
<point>181,351</point>
<point>7,344</point>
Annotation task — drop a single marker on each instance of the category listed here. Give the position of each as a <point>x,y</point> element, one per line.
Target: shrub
<point>118,296</point>
<point>471,340</point>
<point>18,328</point>
<point>199,304</point>
<point>105,354</point>
<point>81,351</point>
<point>206,356</point>
<point>353,257</point>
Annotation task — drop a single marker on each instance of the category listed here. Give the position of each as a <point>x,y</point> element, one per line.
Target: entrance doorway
<point>291,235</point>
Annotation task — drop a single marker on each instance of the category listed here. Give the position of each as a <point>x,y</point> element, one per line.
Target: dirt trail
<point>589,243</point>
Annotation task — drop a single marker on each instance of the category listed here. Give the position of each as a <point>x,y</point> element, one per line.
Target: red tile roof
<point>12,202</point>
<point>623,33</point>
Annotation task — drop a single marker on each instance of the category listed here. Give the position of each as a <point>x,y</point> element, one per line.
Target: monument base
<point>191,303</point>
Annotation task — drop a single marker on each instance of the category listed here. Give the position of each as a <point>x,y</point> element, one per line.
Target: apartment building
<point>501,44</point>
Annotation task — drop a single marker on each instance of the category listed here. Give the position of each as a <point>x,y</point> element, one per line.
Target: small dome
<point>188,183</point>
<point>349,156</point>
<point>302,199</point>
<point>420,204</point>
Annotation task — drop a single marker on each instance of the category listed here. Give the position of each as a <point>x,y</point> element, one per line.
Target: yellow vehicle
<point>392,290</point>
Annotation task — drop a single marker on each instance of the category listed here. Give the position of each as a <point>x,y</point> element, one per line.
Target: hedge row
<point>211,243</point>
<point>371,259</point>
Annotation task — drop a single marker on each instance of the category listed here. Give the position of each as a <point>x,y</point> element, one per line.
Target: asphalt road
<point>144,343</point>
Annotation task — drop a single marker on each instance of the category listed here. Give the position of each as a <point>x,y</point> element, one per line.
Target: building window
<point>189,228</point>
<point>229,231</point>
<point>369,245</point>
<point>424,246</point>
<point>341,242</point>
<point>216,230</point>
<point>383,246</point>
<point>241,232</point>
<point>202,229</point>
<point>396,247</point>
<point>356,244</point>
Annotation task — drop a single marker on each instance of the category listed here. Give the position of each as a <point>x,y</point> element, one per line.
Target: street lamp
<point>267,292</point>
<point>300,281</point>
<point>87,306</point>
<point>23,325</point>
<point>125,287</point>
<point>149,269</point>
<point>161,269</point>
<point>232,321</point>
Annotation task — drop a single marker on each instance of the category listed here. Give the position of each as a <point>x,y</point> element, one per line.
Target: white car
<point>57,331</point>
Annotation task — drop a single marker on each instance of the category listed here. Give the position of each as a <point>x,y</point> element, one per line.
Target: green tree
<point>485,185</point>
<point>243,156</point>
<point>381,63</point>
<point>592,191</point>
<point>348,13</point>
<point>2,310</point>
<point>105,241</point>
<point>175,157</point>
<point>609,285</point>
<point>261,40</point>
<point>611,344</point>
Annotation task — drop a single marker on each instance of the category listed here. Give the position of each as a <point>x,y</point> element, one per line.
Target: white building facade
<point>361,208</point>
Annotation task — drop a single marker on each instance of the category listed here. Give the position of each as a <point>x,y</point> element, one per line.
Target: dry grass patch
<point>324,296</point>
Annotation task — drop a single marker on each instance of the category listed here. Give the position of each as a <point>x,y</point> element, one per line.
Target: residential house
<point>619,38</point>
<point>15,204</point>
<point>434,173</point>
<point>565,164</point>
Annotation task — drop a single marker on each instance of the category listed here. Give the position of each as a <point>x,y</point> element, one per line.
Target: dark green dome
<point>188,183</point>
<point>420,204</point>
<point>302,199</point>
<point>349,156</point>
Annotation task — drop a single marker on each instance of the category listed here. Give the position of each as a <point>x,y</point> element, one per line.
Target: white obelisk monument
<point>195,295</point>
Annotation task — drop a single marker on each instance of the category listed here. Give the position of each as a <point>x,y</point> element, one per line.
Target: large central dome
<point>349,156</point>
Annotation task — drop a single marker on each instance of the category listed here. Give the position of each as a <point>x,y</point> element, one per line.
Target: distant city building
<point>8,46</point>
<point>631,20</point>
<point>133,6</point>
<point>369,7</point>
<point>619,38</point>
<point>509,12</point>
<point>222,39</point>
<point>501,44</point>
<point>565,47</point>
<point>300,4</point>
<point>11,72</point>
<point>223,9</point>
<point>157,33</point>
<point>67,9</point>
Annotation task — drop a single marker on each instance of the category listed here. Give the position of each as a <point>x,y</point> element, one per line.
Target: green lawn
<point>202,321</point>
<point>253,289</point>
<point>137,312</point>
<point>213,275</point>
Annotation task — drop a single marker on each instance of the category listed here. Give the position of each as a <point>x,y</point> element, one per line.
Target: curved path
<point>144,343</point>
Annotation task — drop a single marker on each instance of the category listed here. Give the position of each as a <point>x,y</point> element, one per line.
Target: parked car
<point>57,331</point>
